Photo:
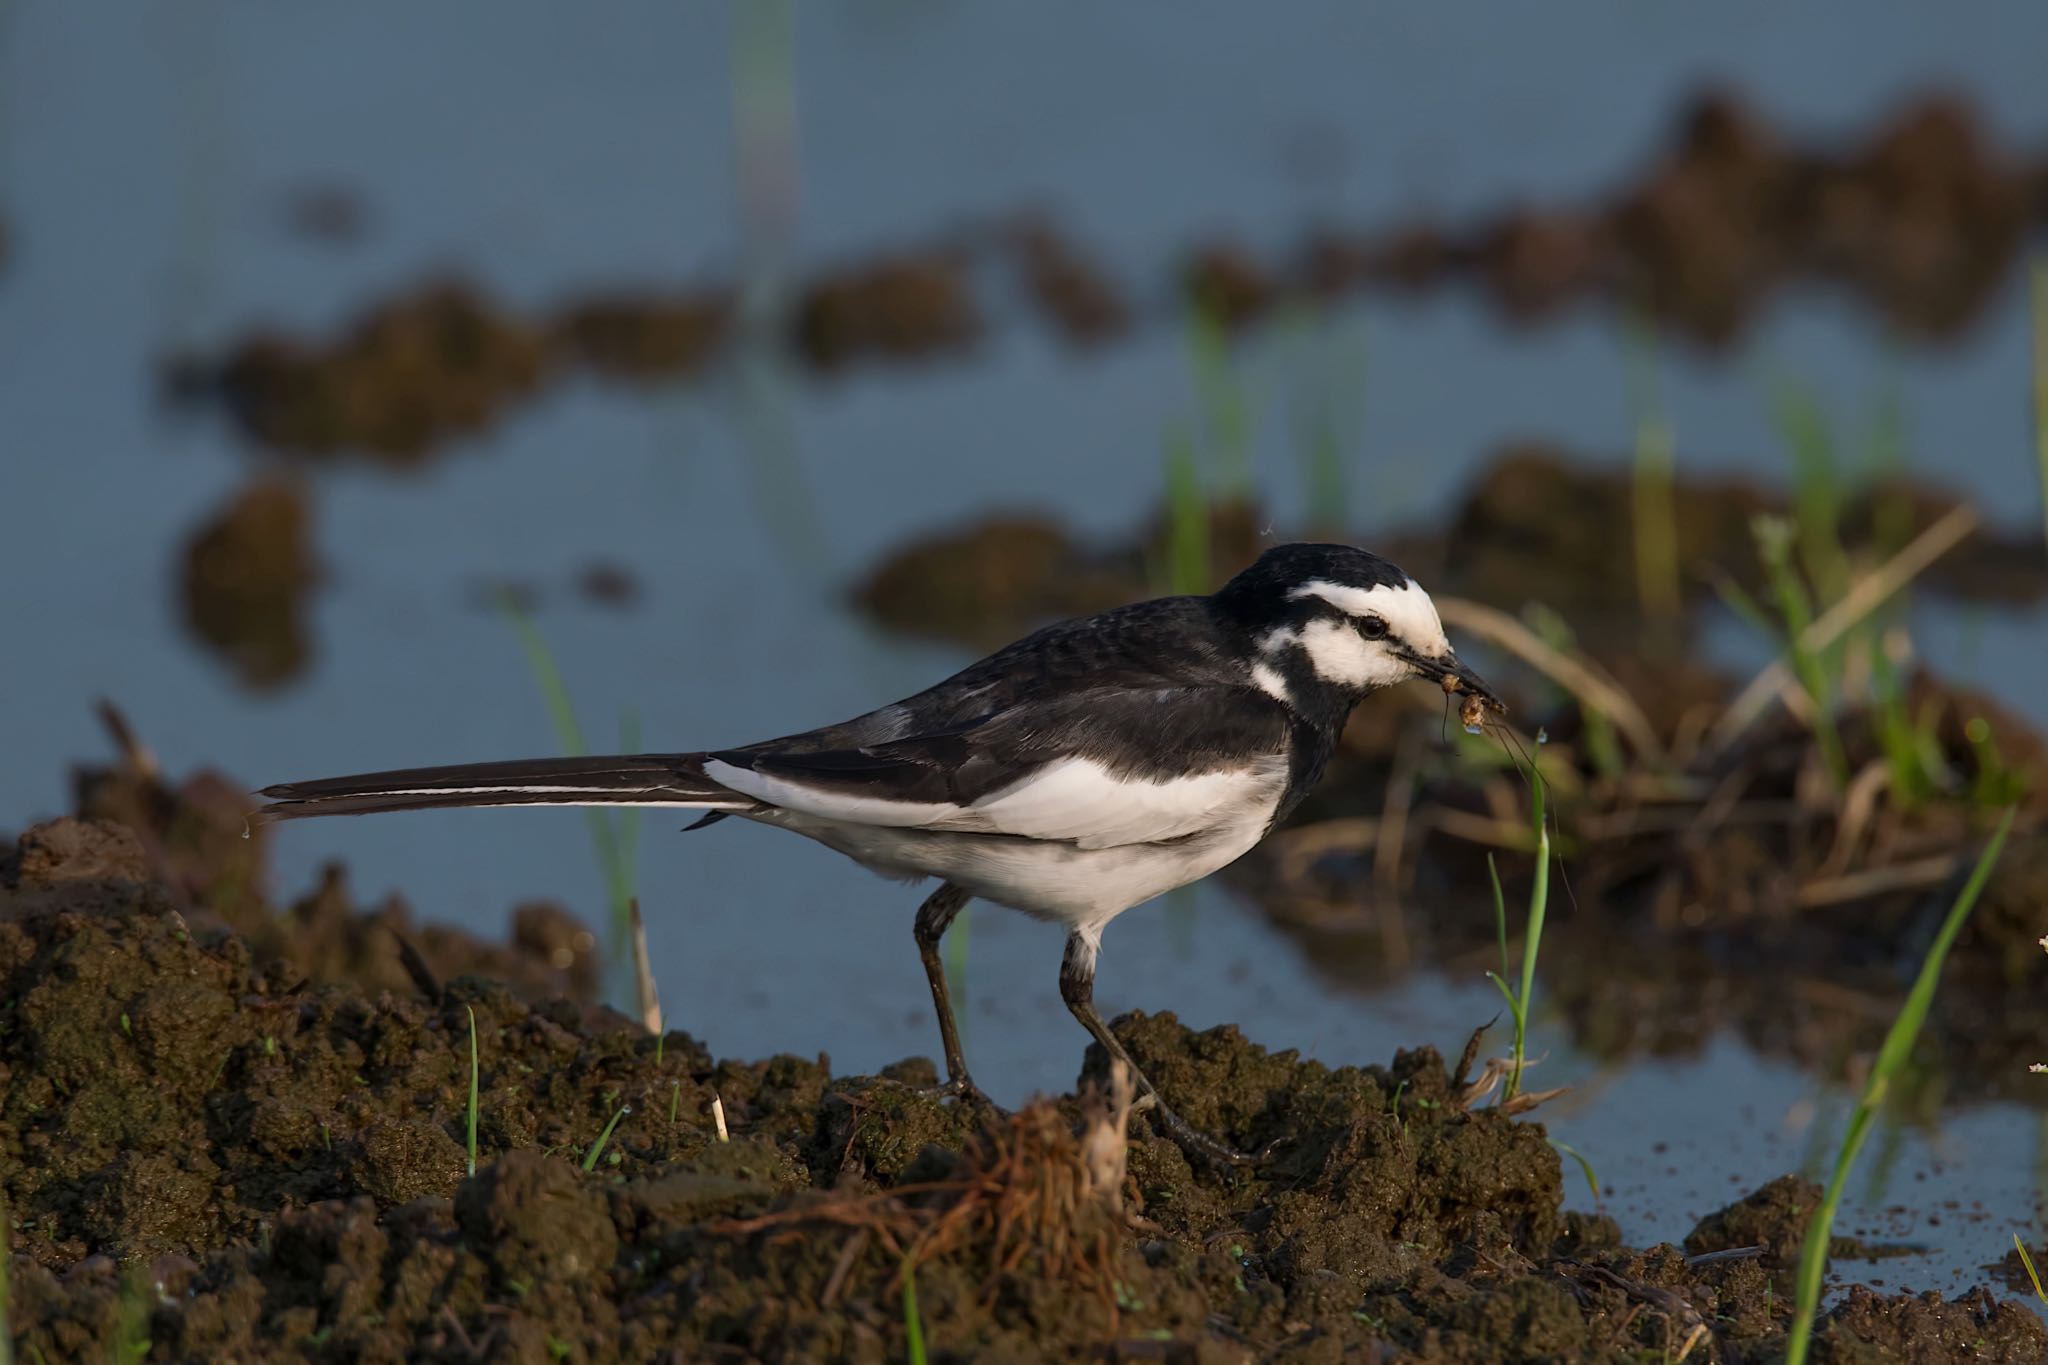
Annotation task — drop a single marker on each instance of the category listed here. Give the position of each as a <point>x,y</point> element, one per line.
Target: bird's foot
<point>1199,1145</point>
<point>959,1086</point>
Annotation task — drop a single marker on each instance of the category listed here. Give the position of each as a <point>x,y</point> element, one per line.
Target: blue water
<point>147,155</point>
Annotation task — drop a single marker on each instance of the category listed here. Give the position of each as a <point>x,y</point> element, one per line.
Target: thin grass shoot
<point>614,834</point>
<point>1518,996</point>
<point>2040,380</point>
<point>1585,1167</point>
<point>1187,517</point>
<point>1226,409</point>
<point>1891,1060</point>
<point>597,1148</point>
<point>913,1323</point>
<point>471,1139</point>
<point>2027,1262</point>
<point>6,1289</point>
<point>1654,482</point>
<point>1774,537</point>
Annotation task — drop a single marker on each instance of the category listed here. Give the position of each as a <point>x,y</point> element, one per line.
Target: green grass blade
<point>1500,918</point>
<point>472,1088</point>
<point>913,1324</point>
<point>553,690</point>
<point>1898,1043</point>
<point>616,842</point>
<point>1226,411</point>
<point>6,1288</point>
<point>1816,485</point>
<point>2040,385</point>
<point>1654,511</point>
<point>2033,1275</point>
<point>1795,605</point>
<point>1507,993</point>
<point>1539,902</point>
<point>1585,1166</point>
<point>1187,512</point>
<point>597,1148</point>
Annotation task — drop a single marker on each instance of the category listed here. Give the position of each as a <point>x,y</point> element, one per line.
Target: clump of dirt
<point>989,582</point>
<point>640,338</point>
<point>1225,281</point>
<point>248,571</point>
<point>203,1156</point>
<point>432,365</point>
<point>899,307</point>
<point>1073,294</point>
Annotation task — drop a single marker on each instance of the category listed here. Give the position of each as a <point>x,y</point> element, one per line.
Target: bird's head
<point>1331,617</point>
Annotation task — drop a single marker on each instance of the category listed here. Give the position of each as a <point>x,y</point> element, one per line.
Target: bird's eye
<point>1372,627</point>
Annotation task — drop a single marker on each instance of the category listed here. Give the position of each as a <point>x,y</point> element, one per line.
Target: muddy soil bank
<point>1921,220</point>
<point>206,1155</point>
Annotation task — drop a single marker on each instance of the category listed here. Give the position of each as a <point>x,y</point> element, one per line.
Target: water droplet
<point>1475,729</point>
<point>1543,736</point>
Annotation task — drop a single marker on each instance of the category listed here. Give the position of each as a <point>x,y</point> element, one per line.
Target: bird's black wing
<point>1134,722</point>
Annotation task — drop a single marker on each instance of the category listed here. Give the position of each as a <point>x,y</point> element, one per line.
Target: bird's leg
<point>1077,988</point>
<point>933,917</point>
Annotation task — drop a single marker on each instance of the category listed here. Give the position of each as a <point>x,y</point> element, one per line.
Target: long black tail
<point>616,780</point>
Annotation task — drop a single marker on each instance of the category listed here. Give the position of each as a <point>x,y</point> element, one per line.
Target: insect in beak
<point>1457,680</point>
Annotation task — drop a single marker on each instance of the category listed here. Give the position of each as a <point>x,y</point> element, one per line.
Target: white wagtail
<point>1086,768</point>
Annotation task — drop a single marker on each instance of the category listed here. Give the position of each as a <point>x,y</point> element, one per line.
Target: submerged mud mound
<point>205,1157</point>
<point>1537,523</point>
<point>247,574</point>
<point>1921,220</point>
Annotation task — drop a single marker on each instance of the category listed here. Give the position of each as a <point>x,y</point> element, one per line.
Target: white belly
<point>1049,880</point>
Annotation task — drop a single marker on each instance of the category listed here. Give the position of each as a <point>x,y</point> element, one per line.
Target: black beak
<point>1458,681</point>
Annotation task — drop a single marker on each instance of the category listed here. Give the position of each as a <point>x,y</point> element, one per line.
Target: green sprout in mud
<point>1326,414</point>
<point>1226,407</point>
<point>6,1290</point>
<point>1187,569</point>
<point>1653,486</point>
<point>471,1144</point>
<point>131,1320</point>
<point>1206,467</point>
<point>1891,1059</point>
<point>1774,537</point>
<point>597,1148</point>
<point>1539,898</point>
<point>1585,1167</point>
<point>2027,1263</point>
<point>2040,379</point>
<point>913,1323</point>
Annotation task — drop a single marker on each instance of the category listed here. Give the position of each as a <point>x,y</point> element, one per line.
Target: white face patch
<point>1410,616</point>
<point>1340,655</point>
